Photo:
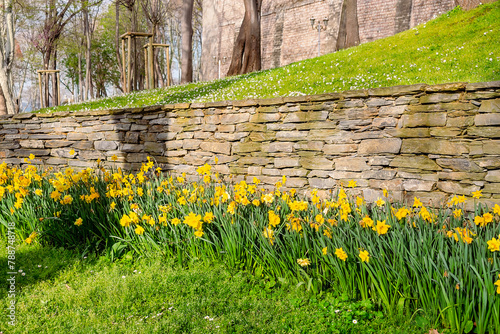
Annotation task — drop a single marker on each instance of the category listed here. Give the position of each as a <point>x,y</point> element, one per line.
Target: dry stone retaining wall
<point>425,141</point>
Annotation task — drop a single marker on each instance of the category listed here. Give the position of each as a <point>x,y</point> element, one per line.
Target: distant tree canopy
<point>81,38</point>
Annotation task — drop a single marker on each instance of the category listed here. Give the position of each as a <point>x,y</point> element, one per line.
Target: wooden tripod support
<point>41,74</point>
<point>149,65</point>
<point>127,80</point>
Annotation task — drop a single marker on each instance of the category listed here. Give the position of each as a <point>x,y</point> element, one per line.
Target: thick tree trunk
<point>89,89</point>
<point>187,41</point>
<point>246,52</point>
<point>3,106</point>
<point>403,15</point>
<point>349,27</point>
<point>6,56</point>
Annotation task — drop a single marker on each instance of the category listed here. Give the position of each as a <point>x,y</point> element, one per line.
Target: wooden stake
<point>124,73</point>
<point>129,65</point>
<point>146,68</point>
<point>58,83</point>
<point>151,67</point>
<point>40,85</point>
<point>168,64</point>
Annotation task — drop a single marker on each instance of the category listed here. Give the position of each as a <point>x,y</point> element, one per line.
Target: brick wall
<point>286,32</point>
<point>425,141</point>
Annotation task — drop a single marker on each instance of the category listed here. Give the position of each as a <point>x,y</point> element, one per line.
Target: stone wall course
<point>426,141</point>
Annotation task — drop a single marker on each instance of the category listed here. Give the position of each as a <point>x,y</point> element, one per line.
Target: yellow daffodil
<point>380,202</point>
<point>79,222</point>
<point>417,203</point>
<point>402,213</point>
<point>231,207</point>
<point>268,198</point>
<point>125,221</point>
<point>339,252</point>
<point>351,184</point>
<point>494,244</point>
<point>304,262</point>
<point>477,194</point>
<point>274,219</point>
<point>496,209</point>
<point>139,230</point>
<point>364,256</point>
<point>479,220</point>
<point>209,217</point>
<point>381,227</point>
<point>269,234</point>
<point>497,283</point>
<point>324,250</point>
<point>366,222</point>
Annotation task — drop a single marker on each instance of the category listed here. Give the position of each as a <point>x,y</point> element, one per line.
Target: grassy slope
<point>456,47</point>
<point>62,292</point>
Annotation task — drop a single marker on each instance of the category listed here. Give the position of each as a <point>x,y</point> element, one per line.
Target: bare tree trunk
<point>157,51</point>
<point>45,77</point>
<point>403,15</point>
<point>55,89</point>
<point>246,52</point>
<point>3,106</point>
<point>6,57</point>
<point>349,27</point>
<point>80,77</point>
<point>187,41</point>
<point>135,62</point>
<point>117,43</point>
<point>89,89</point>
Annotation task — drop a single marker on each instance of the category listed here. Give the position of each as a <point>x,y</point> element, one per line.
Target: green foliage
<point>444,262</point>
<point>456,47</point>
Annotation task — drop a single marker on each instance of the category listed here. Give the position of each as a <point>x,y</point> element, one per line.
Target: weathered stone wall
<point>419,140</point>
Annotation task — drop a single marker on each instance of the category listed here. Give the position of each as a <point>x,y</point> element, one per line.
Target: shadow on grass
<point>33,264</point>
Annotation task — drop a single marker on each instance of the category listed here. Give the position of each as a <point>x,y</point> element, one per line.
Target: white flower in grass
<point>354,321</point>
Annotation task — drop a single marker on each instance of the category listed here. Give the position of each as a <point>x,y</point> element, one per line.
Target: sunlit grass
<point>65,292</point>
<point>456,47</point>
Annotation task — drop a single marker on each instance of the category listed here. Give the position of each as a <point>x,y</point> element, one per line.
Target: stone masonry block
<point>377,146</point>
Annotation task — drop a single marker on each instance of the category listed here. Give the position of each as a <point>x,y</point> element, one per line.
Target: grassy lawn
<point>456,47</point>
<point>60,291</point>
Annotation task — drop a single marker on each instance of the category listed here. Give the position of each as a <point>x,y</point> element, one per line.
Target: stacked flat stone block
<point>423,141</point>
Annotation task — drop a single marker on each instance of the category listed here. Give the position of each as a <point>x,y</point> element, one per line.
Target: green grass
<point>456,47</point>
<point>64,292</point>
